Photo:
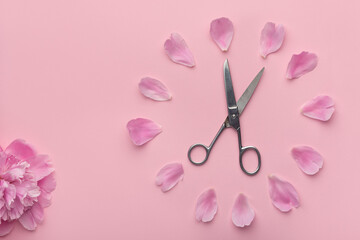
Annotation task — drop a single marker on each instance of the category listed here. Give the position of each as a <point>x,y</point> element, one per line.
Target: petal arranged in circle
<point>308,160</point>
<point>271,38</point>
<point>242,214</point>
<point>206,206</point>
<point>320,108</point>
<point>142,130</point>
<point>169,176</point>
<point>154,89</point>
<point>300,64</point>
<point>222,32</point>
<point>178,51</point>
<point>282,194</point>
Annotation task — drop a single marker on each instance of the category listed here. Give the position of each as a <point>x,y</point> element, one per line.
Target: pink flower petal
<point>8,192</point>
<point>242,213</point>
<point>271,38</point>
<point>222,31</point>
<point>154,89</point>
<point>142,130</point>
<point>37,212</point>
<point>169,176</point>
<point>48,183</point>
<point>16,210</point>
<point>44,199</point>
<point>300,64</point>
<point>282,194</point>
<point>206,206</point>
<point>308,160</point>
<point>28,221</point>
<point>178,51</point>
<point>40,167</point>
<point>6,228</point>
<point>320,108</point>
<point>20,149</point>
<point>12,168</point>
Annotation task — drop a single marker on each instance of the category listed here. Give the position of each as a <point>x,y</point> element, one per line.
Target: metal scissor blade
<point>233,115</point>
<point>244,99</point>
<point>229,89</point>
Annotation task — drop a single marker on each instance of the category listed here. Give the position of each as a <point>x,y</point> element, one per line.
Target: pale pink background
<point>69,71</point>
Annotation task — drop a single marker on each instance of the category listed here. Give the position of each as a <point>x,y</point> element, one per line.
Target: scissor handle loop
<point>242,151</point>
<point>207,151</point>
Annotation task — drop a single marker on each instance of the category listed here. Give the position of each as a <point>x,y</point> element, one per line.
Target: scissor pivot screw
<point>233,116</point>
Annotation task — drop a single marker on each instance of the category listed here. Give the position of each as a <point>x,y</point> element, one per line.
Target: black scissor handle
<point>242,151</point>
<point>199,145</point>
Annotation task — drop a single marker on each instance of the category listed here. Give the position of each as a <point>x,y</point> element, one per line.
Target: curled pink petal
<point>178,51</point>
<point>20,149</point>
<point>40,166</point>
<point>6,228</point>
<point>28,221</point>
<point>169,176</point>
<point>271,38</point>
<point>44,199</point>
<point>142,130</point>
<point>48,183</point>
<point>320,108</point>
<point>308,160</point>
<point>38,213</point>
<point>206,206</point>
<point>300,64</point>
<point>282,194</point>
<point>242,213</point>
<point>222,32</point>
<point>154,89</point>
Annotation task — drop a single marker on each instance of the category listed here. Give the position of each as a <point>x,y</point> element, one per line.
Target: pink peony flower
<point>26,183</point>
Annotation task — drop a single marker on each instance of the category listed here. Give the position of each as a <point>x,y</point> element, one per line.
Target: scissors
<point>232,120</point>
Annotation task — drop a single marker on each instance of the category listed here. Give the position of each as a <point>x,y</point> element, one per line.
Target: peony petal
<point>9,192</point>
<point>308,160</point>
<point>282,194</point>
<point>28,221</point>
<point>300,64</point>
<point>154,89</point>
<point>17,209</point>
<point>20,149</point>
<point>178,51</point>
<point>271,38</point>
<point>37,212</point>
<point>242,213</point>
<point>6,228</point>
<point>169,176</point>
<point>44,199</point>
<point>206,206</point>
<point>320,108</point>
<point>40,167</point>
<point>142,130</point>
<point>15,171</point>
<point>222,32</point>
<point>27,189</point>
<point>48,183</point>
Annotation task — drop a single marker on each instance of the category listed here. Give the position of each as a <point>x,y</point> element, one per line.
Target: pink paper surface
<point>69,72</point>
